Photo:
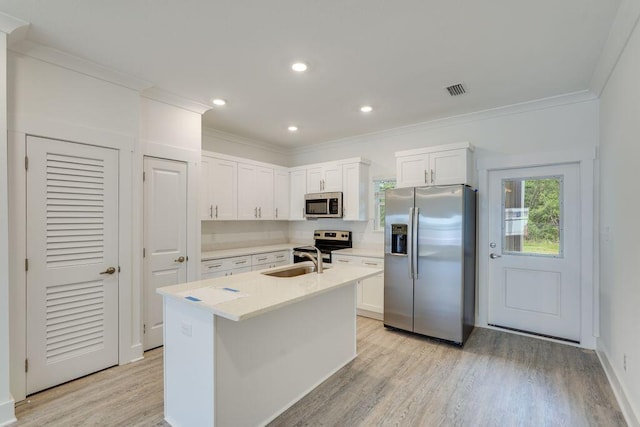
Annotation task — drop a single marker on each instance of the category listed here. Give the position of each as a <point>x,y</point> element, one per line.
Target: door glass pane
<point>532,216</point>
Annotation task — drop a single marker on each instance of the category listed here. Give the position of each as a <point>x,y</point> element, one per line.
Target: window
<point>379,187</point>
<point>532,216</point>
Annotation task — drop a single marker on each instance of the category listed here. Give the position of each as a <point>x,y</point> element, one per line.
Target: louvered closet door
<point>72,237</point>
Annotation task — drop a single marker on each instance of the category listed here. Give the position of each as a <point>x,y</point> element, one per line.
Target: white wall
<point>52,101</point>
<point>563,123</point>
<point>232,145</point>
<point>619,225</point>
<point>6,400</point>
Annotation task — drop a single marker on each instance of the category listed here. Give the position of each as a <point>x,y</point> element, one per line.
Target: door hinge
<point>144,252</point>
<point>118,269</point>
<point>26,162</point>
<point>187,257</point>
<point>26,365</point>
<point>26,264</point>
<point>144,176</point>
<point>144,328</point>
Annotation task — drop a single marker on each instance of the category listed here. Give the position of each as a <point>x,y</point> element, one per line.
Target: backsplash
<point>217,235</point>
<point>361,231</point>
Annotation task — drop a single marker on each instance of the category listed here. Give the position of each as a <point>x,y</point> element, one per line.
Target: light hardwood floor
<point>497,379</point>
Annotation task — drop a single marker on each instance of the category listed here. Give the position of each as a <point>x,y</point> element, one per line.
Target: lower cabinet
<point>269,260</point>
<point>370,297</point>
<point>221,267</point>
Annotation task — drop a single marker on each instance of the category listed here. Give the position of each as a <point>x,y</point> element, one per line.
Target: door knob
<point>180,259</point>
<point>109,270</point>
<point>494,256</point>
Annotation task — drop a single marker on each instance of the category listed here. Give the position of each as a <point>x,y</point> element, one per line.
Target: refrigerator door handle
<point>414,241</point>
<point>410,243</point>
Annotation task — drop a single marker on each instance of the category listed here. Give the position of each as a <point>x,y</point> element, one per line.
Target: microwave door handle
<point>409,244</point>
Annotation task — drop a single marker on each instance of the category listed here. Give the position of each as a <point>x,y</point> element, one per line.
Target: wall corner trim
<point>157,94</point>
<point>630,416</point>
<point>14,27</point>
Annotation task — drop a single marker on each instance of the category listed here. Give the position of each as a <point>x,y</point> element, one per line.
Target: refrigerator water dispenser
<point>399,239</point>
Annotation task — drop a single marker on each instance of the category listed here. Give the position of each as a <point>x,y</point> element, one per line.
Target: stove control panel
<point>339,235</point>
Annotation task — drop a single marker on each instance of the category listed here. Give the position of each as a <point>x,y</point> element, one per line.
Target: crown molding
<point>236,139</point>
<point>523,107</point>
<point>79,65</point>
<point>157,94</point>
<point>15,28</point>
<point>624,24</point>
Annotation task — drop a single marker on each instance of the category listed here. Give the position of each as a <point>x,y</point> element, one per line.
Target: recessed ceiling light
<point>366,108</point>
<point>292,128</point>
<point>219,102</point>
<point>299,67</point>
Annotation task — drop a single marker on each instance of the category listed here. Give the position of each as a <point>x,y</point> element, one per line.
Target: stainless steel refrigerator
<point>429,261</point>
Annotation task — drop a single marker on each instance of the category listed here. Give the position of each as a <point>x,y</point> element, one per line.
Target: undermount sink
<point>293,271</point>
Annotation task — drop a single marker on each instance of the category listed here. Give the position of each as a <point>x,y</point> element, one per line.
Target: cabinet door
<point>298,184</point>
<point>223,181</point>
<point>314,179</point>
<point>448,167</point>
<point>281,194</point>
<point>264,192</point>
<point>373,288</point>
<point>247,205</point>
<point>206,197</point>
<point>332,180</point>
<point>355,186</point>
<point>412,171</point>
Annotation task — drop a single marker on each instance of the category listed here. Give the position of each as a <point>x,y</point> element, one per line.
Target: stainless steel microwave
<point>323,205</point>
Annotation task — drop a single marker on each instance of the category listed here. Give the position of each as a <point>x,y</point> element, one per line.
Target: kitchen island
<point>239,350</point>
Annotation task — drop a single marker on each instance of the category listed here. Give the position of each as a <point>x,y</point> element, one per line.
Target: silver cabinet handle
<point>371,263</point>
<point>426,179</point>
<point>276,213</point>
<point>210,211</point>
<point>260,212</point>
<point>240,262</point>
<point>216,211</point>
<point>494,256</point>
<point>432,176</point>
<point>255,212</point>
<point>215,266</point>
<point>343,260</point>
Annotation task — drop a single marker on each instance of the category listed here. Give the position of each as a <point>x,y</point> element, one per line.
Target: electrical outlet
<point>624,362</point>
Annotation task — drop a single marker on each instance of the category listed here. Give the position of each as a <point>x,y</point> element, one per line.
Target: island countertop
<point>256,293</point>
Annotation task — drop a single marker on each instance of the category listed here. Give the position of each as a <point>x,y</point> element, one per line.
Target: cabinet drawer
<point>372,262</point>
<point>223,264</point>
<point>356,260</point>
<point>270,258</point>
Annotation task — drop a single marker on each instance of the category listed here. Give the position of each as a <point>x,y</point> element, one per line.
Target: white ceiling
<point>394,55</point>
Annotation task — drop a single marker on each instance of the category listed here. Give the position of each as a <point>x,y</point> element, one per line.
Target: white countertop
<point>266,293</point>
<point>363,252</point>
<point>226,253</point>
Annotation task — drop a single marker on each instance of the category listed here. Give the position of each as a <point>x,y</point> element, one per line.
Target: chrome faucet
<point>317,261</point>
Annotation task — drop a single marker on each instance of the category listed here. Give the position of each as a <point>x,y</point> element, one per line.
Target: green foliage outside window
<point>380,186</point>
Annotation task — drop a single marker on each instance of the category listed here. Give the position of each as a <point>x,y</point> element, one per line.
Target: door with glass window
<point>534,250</point>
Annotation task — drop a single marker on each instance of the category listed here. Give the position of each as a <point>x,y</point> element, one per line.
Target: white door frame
<point>587,161</point>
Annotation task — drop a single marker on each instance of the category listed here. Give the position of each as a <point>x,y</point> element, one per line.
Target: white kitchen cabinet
<point>439,165</point>
<point>298,185</point>
<point>219,189</point>
<point>355,188</point>
<point>281,194</point>
<point>270,260</point>
<point>224,267</point>
<point>324,177</point>
<point>370,292</point>
<point>255,192</point>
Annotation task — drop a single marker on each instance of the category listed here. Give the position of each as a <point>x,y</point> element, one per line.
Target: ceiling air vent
<point>455,90</point>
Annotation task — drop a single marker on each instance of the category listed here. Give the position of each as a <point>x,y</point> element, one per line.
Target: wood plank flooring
<point>497,379</point>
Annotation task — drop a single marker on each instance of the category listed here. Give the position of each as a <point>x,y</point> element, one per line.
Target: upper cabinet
<point>298,185</point>
<point>324,177</point>
<point>355,191</point>
<point>219,184</point>
<point>242,189</point>
<point>281,194</point>
<point>255,192</point>
<point>439,165</point>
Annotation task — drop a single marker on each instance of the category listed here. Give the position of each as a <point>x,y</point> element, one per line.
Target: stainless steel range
<point>326,241</point>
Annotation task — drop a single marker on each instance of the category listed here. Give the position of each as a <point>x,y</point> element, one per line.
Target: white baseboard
<point>628,412</point>
<point>7,413</point>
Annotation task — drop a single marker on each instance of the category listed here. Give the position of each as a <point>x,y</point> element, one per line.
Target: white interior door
<point>165,238</point>
<point>534,263</point>
<point>72,251</point>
